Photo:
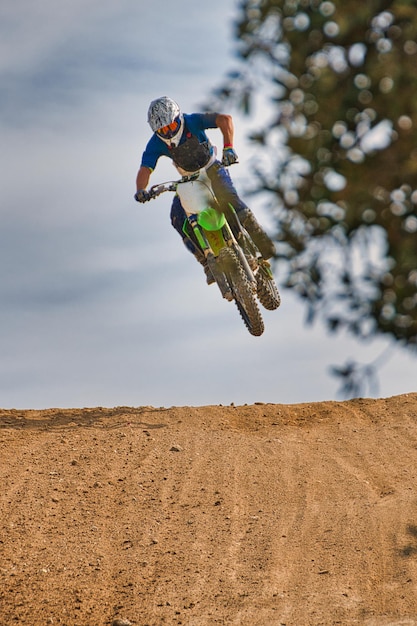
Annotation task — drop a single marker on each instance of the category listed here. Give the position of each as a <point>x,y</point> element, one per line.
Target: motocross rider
<point>182,138</point>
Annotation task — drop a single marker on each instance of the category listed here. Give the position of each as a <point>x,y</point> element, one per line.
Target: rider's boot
<point>197,253</point>
<point>209,276</point>
<point>265,245</point>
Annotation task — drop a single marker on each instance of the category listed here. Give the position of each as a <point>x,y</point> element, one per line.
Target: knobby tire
<point>242,291</point>
<point>268,293</point>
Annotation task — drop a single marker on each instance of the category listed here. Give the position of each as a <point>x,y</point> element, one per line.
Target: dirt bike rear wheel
<point>268,293</point>
<point>242,291</point>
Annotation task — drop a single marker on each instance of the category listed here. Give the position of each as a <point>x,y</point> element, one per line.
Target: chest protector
<point>191,155</point>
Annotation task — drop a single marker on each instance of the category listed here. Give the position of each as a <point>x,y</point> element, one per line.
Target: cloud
<point>58,54</point>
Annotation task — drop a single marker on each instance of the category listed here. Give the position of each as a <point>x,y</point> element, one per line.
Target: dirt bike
<point>232,257</point>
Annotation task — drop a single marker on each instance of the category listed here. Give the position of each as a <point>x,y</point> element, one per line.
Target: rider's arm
<point>154,149</point>
<point>142,179</point>
<point>225,124</point>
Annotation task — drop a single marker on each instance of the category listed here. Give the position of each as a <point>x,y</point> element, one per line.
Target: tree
<point>341,81</point>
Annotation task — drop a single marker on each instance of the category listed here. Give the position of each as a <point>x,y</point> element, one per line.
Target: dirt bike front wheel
<point>242,291</point>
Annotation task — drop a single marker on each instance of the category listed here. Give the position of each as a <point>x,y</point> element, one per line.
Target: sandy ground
<point>237,515</point>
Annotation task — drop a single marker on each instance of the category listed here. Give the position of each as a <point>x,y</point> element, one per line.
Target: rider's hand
<point>142,195</point>
<point>229,156</point>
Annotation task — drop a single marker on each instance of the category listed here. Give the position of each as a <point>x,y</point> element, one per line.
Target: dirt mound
<point>241,515</point>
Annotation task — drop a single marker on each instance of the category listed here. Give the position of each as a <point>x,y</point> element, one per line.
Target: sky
<point>100,303</point>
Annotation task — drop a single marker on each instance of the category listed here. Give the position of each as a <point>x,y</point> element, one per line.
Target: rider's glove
<point>142,195</point>
<point>229,156</point>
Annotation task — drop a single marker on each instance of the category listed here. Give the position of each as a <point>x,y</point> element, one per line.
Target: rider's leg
<point>226,193</point>
<point>178,218</point>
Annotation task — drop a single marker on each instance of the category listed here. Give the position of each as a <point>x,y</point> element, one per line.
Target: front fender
<point>210,219</point>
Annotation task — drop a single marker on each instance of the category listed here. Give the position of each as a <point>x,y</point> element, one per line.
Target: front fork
<point>198,233</point>
<point>211,242</point>
<point>203,238</point>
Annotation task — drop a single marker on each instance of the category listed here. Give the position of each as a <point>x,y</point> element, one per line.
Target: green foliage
<point>341,81</point>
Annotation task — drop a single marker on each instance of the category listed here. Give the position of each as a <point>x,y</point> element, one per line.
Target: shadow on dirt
<point>411,548</point>
<point>57,419</point>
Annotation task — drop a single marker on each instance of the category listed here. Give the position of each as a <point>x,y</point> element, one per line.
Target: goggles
<point>170,130</point>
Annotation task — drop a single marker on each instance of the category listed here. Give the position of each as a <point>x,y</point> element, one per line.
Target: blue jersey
<point>194,124</point>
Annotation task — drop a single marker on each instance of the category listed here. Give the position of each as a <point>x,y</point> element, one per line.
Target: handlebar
<point>170,185</point>
<point>156,190</point>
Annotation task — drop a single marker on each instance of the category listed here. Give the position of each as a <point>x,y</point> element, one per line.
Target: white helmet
<point>162,112</point>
